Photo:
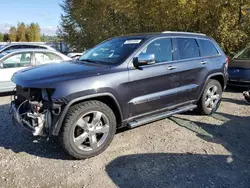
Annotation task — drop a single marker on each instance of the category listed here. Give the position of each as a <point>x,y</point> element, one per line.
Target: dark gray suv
<point>124,81</point>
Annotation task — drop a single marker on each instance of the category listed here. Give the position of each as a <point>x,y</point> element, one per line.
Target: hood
<point>46,75</point>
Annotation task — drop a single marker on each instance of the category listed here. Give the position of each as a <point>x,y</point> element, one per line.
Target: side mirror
<point>144,59</point>
<point>1,66</point>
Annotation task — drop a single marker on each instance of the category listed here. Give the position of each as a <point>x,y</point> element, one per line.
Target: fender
<point>210,76</point>
<point>58,124</point>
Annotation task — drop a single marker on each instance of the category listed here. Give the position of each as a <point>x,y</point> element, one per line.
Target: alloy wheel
<point>91,131</point>
<point>212,97</point>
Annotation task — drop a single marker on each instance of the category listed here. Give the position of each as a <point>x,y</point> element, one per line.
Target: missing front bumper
<point>36,122</point>
<point>18,120</point>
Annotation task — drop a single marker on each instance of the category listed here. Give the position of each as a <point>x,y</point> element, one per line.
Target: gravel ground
<point>185,150</point>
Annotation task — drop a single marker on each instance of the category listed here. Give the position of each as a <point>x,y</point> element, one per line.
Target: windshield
<point>243,55</point>
<point>112,51</point>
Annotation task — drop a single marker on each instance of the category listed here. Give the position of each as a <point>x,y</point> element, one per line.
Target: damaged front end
<point>34,110</point>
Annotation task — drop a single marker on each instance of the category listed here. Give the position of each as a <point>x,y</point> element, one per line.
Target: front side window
<point>46,57</point>
<point>112,51</point>
<point>186,48</point>
<point>243,55</point>
<point>207,48</point>
<point>161,48</point>
<point>18,60</point>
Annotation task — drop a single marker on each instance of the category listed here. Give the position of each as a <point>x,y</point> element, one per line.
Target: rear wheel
<point>211,98</point>
<point>88,129</point>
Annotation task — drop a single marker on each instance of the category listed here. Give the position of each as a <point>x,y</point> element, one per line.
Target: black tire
<point>74,114</point>
<point>202,108</point>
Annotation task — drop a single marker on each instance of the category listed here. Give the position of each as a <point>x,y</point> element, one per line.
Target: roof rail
<point>179,32</point>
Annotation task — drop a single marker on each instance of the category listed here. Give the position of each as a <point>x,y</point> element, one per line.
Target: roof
<point>28,44</point>
<point>31,50</point>
<point>164,33</point>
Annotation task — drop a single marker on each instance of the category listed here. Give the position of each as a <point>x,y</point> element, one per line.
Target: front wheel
<point>211,98</point>
<point>88,129</point>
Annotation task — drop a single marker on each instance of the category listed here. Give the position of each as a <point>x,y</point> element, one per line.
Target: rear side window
<point>46,57</point>
<point>207,48</point>
<point>186,48</point>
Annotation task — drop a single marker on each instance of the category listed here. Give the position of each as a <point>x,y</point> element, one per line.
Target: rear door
<point>153,87</point>
<point>192,68</point>
<point>211,57</point>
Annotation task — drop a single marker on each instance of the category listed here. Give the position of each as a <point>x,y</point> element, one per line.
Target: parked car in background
<point>16,46</point>
<point>239,69</point>
<point>124,81</point>
<point>15,60</point>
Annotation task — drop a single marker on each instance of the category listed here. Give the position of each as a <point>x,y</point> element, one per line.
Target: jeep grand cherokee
<point>124,81</point>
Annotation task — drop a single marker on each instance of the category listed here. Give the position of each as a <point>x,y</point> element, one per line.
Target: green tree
<point>6,37</point>
<point>37,33</point>
<point>33,33</point>
<point>1,37</point>
<point>226,21</point>
<point>12,34</point>
<point>21,32</point>
<point>30,31</point>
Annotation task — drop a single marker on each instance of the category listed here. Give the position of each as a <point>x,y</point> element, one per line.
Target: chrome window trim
<point>173,61</point>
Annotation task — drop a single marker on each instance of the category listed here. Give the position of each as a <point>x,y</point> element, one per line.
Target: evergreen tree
<point>87,22</point>
<point>1,37</point>
<point>6,37</point>
<point>21,32</point>
<point>12,34</point>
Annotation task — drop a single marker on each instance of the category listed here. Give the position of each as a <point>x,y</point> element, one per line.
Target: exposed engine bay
<point>34,109</point>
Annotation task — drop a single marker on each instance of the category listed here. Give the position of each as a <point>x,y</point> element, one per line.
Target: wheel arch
<point>107,98</point>
<point>219,78</point>
<point>216,76</point>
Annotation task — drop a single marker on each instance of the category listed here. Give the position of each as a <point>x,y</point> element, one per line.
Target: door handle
<point>204,62</point>
<point>171,68</point>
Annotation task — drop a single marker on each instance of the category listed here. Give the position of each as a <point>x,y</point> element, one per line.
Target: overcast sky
<point>44,12</point>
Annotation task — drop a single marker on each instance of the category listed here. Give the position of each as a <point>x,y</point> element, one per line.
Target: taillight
<point>226,65</point>
<point>227,61</point>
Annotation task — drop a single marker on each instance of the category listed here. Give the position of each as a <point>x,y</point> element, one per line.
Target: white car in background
<point>15,60</point>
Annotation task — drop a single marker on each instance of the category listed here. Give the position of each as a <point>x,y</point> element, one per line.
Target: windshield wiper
<point>88,60</point>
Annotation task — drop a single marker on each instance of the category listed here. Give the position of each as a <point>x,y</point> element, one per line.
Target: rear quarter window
<point>207,48</point>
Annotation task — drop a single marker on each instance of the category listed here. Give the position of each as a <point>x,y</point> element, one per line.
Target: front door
<point>153,87</point>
